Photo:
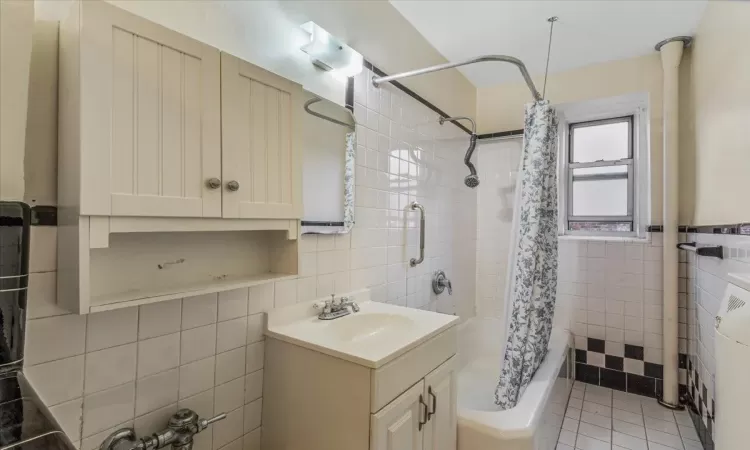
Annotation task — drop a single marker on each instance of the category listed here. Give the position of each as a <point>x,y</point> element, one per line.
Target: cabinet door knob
<point>233,186</point>
<point>213,183</point>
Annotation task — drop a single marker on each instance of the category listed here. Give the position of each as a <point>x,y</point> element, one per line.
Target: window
<point>604,168</point>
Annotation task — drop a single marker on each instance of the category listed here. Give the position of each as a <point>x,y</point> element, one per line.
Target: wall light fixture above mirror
<point>330,54</point>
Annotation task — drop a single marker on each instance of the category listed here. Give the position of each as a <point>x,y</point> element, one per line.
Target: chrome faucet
<point>181,428</point>
<point>331,309</point>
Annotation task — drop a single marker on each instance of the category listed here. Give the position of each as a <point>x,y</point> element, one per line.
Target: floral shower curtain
<point>533,280</point>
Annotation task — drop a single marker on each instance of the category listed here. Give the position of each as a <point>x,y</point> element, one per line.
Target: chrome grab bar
<point>414,261</point>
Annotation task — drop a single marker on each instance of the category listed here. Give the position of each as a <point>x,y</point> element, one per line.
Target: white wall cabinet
<point>259,112</point>
<point>165,191</point>
<point>16,27</point>
<point>318,402</point>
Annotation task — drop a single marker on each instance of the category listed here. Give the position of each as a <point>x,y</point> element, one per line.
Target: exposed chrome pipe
<point>501,58</point>
<point>471,180</point>
<point>324,117</point>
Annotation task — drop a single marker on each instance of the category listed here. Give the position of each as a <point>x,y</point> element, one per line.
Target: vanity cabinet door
<point>397,425</point>
<point>440,396</point>
<point>261,158</point>
<point>150,122</point>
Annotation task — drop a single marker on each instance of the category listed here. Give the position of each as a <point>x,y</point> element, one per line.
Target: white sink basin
<point>361,328</point>
<point>375,335</point>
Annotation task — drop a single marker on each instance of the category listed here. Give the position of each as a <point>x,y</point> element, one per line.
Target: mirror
<point>328,167</point>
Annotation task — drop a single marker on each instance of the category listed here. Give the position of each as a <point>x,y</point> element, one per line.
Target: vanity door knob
<point>213,183</point>
<point>233,186</point>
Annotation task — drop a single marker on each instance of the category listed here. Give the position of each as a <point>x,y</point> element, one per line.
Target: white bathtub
<point>535,423</point>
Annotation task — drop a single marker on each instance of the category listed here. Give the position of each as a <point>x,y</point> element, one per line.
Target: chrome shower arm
<point>442,120</point>
<point>501,58</point>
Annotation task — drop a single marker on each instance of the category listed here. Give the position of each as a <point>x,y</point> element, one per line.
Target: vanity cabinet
<point>317,401</point>
<point>422,418</point>
<point>179,165</point>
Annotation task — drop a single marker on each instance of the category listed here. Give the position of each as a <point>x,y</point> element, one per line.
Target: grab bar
<point>414,261</point>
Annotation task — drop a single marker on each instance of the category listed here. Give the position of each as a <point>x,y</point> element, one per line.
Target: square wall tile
<point>156,391</point>
<point>197,377</point>
<point>54,338</point>
<point>197,343</point>
<point>111,328</point>
<point>106,409</point>
<point>199,311</point>
<point>233,304</point>
<point>231,334</point>
<point>57,381</point>
<point>158,319</point>
<point>230,365</point>
<point>110,367</point>
<point>158,354</point>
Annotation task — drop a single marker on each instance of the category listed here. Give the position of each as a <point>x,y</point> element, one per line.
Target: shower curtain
<point>532,285</point>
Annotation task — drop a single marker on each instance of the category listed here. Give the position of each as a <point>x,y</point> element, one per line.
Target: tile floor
<point>603,419</point>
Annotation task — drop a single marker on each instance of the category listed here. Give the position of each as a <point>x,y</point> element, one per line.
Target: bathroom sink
<point>361,328</point>
<point>372,337</point>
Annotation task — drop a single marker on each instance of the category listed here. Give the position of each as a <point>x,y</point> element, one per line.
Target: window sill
<point>629,239</point>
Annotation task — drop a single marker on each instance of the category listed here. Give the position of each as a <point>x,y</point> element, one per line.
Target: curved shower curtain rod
<point>324,117</point>
<point>502,58</point>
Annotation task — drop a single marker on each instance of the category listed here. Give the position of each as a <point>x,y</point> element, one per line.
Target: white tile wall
<point>706,278</point>
<point>135,367</point>
<point>497,165</point>
<point>612,290</point>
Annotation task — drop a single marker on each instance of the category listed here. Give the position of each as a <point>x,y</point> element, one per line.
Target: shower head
<point>471,181</point>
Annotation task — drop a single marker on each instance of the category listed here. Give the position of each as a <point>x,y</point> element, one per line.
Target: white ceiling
<point>588,31</point>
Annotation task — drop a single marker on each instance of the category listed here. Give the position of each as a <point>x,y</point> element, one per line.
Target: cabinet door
<point>396,426</point>
<point>440,396</point>
<point>150,118</point>
<point>261,160</point>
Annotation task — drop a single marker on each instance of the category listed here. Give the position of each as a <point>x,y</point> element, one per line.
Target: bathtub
<point>535,423</point>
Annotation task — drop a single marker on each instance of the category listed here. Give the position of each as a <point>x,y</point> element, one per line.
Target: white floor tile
<point>561,446</point>
<point>596,408</point>
<point>628,428</point>
<point>573,413</point>
<point>570,425</point>
<point>657,412</point>
<point>598,390</point>
<point>596,419</point>
<point>576,403</point>
<point>688,432</point>
<point>629,442</point>
<point>567,437</point>
<point>593,431</point>
<point>587,443</point>
<point>654,446</point>
<point>631,405</point>
<point>576,394</point>
<point>667,439</point>
<point>627,416</point>
<point>692,445</point>
<point>602,399</point>
<point>663,426</point>
<point>683,418</point>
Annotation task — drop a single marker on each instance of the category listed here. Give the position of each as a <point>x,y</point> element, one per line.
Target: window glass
<point>607,141</point>
<point>600,197</point>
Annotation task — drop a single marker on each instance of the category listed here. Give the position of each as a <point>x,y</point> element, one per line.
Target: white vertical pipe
<point>671,54</point>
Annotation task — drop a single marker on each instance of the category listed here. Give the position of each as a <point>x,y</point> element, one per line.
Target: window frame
<point>634,108</point>
<point>628,162</point>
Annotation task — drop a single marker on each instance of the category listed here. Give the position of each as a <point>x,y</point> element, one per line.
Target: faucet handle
<point>204,423</point>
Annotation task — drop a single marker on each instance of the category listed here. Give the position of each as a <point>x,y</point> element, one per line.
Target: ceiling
<point>588,31</point>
